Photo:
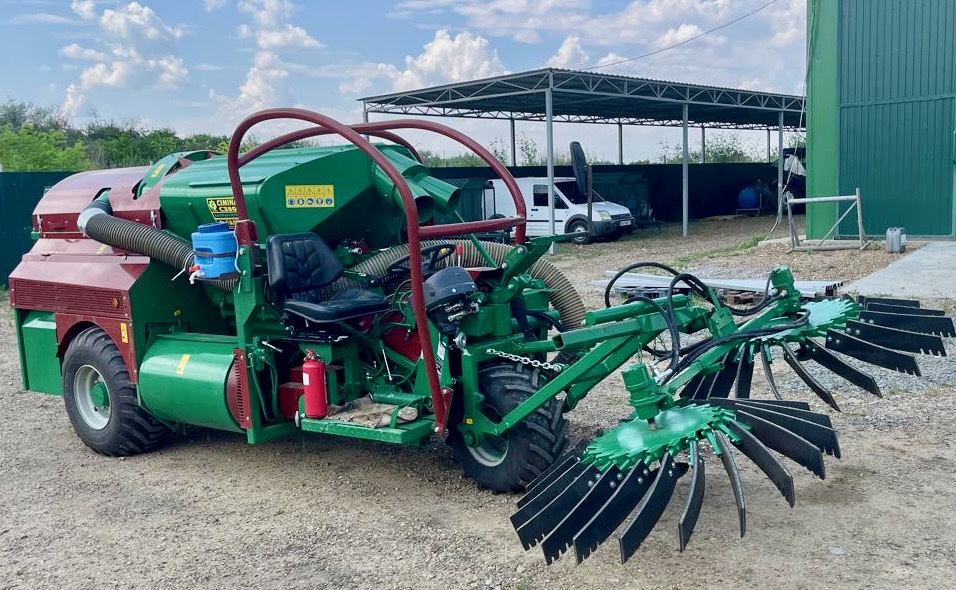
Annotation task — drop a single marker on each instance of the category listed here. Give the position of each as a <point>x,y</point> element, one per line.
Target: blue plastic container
<point>747,198</point>
<point>215,248</point>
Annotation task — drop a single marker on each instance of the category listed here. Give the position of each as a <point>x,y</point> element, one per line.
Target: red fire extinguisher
<point>313,380</point>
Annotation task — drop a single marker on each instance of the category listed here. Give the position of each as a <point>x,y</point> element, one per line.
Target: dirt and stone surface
<point>209,511</point>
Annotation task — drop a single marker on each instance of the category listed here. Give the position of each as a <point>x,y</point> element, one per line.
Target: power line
<point>686,41</point>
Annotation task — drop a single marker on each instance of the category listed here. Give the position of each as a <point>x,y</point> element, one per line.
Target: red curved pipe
<point>411,215</point>
<point>315,132</point>
<point>498,167</point>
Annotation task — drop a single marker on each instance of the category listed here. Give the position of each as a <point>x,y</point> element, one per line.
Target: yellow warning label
<point>223,209</point>
<point>182,364</point>
<point>124,333</point>
<point>304,196</point>
<point>158,170</point>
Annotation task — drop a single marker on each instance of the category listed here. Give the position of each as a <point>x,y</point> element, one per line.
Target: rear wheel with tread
<point>510,462</point>
<point>101,402</point>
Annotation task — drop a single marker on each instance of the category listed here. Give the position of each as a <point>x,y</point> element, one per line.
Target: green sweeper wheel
<point>509,463</point>
<point>101,402</point>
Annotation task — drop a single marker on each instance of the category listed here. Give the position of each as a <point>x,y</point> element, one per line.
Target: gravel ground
<point>210,511</point>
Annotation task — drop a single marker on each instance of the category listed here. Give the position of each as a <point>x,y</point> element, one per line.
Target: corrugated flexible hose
<point>98,224</point>
<point>564,297</point>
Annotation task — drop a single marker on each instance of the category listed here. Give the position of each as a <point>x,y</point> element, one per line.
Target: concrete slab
<point>929,272</point>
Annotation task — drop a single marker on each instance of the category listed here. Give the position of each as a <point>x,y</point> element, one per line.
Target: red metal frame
<point>246,231</point>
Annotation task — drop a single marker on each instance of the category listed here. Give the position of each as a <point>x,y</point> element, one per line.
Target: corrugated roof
<point>594,97</point>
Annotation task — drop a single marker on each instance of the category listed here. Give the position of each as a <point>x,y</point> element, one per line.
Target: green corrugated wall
<point>19,194</point>
<point>885,77</point>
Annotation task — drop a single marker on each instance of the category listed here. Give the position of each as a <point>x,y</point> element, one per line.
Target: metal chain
<point>556,367</point>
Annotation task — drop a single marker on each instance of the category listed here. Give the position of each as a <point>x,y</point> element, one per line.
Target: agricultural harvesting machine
<point>287,290</point>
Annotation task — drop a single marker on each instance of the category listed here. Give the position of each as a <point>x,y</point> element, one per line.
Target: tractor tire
<point>511,462</point>
<point>580,230</point>
<point>102,403</point>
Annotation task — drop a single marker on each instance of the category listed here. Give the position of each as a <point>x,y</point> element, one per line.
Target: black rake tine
<point>785,442</point>
<point>610,516</point>
<point>887,308</point>
<point>688,519</point>
<point>745,373</point>
<point>727,458</point>
<point>559,539</point>
<point>914,323</point>
<point>824,437</point>
<point>758,453</point>
<point>552,473</point>
<point>768,373</point>
<point>814,385</point>
<point>863,300</point>
<point>690,390</point>
<point>808,415</point>
<point>896,339</point>
<point>779,403</point>
<point>544,496</point>
<point>872,353</point>
<point>645,518</point>
<point>706,383</point>
<point>542,523</point>
<point>835,364</point>
<point>724,379</point>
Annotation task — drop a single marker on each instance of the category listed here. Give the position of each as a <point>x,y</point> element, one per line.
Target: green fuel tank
<point>336,192</point>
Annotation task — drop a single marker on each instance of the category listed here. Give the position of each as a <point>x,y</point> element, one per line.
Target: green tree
<point>30,149</point>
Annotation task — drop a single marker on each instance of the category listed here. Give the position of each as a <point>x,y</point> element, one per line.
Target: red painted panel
<point>113,327</point>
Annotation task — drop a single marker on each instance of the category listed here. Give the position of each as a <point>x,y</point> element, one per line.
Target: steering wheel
<point>431,257</point>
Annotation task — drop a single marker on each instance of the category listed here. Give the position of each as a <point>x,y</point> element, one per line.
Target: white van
<point>610,221</point>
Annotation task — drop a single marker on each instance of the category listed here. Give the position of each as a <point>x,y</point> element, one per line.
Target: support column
<point>549,124</point>
<point>768,144</point>
<point>684,193</point>
<point>779,166</point>
<point>703,145</point>
<point>514,146</point>
<point>620,144</point>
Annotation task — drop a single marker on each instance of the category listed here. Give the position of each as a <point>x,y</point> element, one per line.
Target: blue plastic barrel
<point>215,248</point>
<point>747,198</point>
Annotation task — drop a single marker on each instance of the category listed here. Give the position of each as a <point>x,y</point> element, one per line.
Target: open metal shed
<point>554,95</point>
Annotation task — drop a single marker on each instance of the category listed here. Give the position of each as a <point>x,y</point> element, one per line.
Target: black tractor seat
<point>299,265</point>
<point>344,305</point>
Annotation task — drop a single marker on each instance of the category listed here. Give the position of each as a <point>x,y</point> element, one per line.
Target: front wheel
<point>581,235</point>
<point>101,402</point>
<point>510,462</point>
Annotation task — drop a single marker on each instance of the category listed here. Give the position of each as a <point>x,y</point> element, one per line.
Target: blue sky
<point>201,65</point>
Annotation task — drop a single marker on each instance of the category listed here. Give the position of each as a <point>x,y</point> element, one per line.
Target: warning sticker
<point>298,196</point>
<point>223,209</point>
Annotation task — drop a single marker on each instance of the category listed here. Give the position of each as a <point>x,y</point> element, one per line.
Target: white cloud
<point>266,81</point>
<point>207,67</point>
<point>85,9</point>
<point>288,36</point>
<point>210,5</point>
<point>141,21</point>
<point>680,34</point>
<point>447,59</point>
<point>134,48</point>
<point>41,18</point>
<point>569,55</point>
<point>74,51</point>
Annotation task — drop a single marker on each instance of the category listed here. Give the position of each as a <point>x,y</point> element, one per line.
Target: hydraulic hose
<point>97,222</point>
<point>564,297</point>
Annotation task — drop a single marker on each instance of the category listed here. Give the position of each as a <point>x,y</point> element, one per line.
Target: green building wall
<point>881,113</point>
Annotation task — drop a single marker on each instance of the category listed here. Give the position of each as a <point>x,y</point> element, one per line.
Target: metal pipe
<point>780,167</point>
<point>703,145</point>
<point>684,176</point>
<point>514,145</point>
<point>620,144</point>
<point>549,132</point>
